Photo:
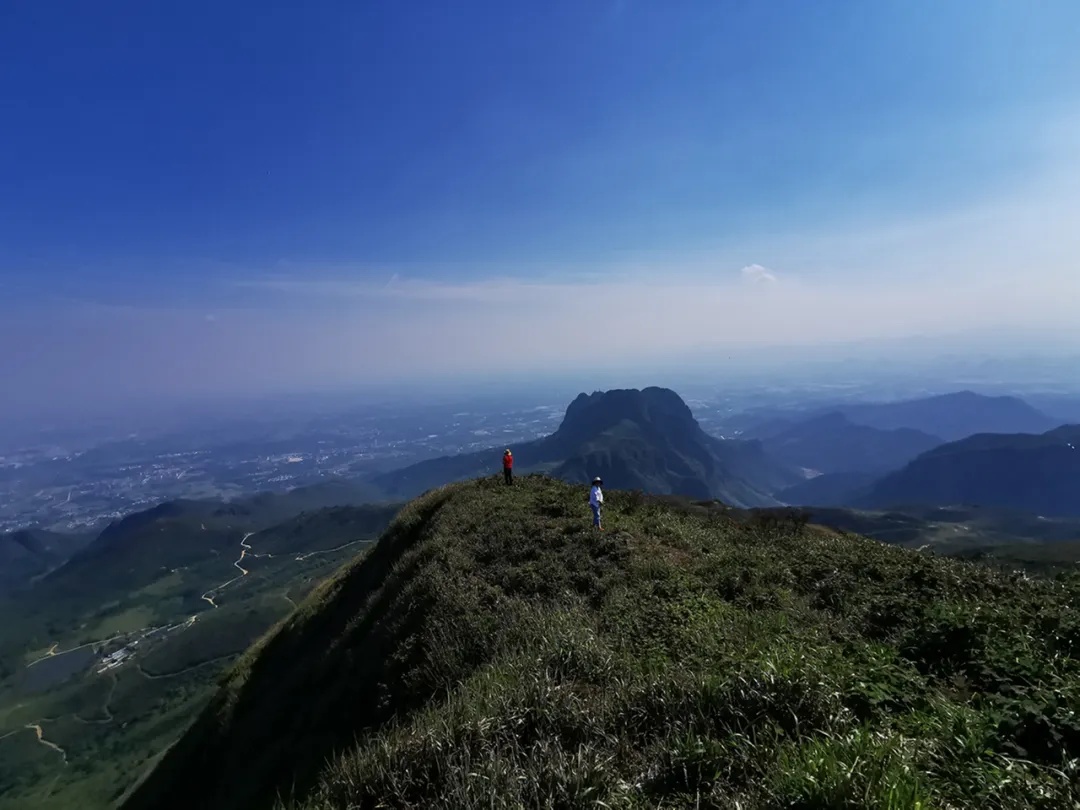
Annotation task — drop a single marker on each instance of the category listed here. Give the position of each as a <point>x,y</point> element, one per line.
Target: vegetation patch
<point>493,650</point>
<point>113,725</point>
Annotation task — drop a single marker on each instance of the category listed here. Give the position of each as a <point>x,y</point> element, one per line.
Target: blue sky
<point>211,196</point>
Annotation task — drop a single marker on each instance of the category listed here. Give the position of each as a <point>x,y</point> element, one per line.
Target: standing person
<point>508,467</point>
<point>596,500</point>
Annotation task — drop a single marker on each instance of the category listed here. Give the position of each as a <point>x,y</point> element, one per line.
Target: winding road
<point>36,728</point>
<point>244,549</point>
<point>41,739</point>
<point>304,556</point>
<point>52,653</point>
<point>209,597</point>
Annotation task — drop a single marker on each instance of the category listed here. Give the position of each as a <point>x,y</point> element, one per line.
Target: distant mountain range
<point>207,578</point>
<point>1034,473</point>
<point>853,447</point>
<point>949,417</point>
<point>953,416</point>
<point>871,454</point>
<point>634,439</point>
<point>832,443</point>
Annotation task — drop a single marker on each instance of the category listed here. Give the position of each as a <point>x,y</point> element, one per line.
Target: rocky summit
<point>644,439</point>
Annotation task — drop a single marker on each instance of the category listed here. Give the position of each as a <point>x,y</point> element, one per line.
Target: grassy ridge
<point>493,651</point>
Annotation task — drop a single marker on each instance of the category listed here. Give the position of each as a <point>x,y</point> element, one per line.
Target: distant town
<point>50,485</point>
<point>80,484</point>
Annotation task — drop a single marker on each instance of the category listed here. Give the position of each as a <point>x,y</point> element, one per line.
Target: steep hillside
<point>115,580</point>
<point>953,416</point>
<point>182,533</point>
<point>28,553</point>
<point>493,651</point>
<point>646,440</point>
<point>833,444</point>
<point>89,595</point>
<point>1039,474</point>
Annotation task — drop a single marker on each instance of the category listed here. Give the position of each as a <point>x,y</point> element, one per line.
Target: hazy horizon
<point>211,202</point>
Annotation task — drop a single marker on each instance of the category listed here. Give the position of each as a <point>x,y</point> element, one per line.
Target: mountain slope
<point>493,651</point>
<point>191,544</point>
<point>830,489</point>
<point>181,625</point>
<point>953,416</point>
<point>1039,474</point>
<point>833,444</point>
<point>645,439</point>
<point>27,553</point>
<point>182,532</point>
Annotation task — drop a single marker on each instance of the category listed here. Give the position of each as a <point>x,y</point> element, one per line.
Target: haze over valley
<point>492,406</point>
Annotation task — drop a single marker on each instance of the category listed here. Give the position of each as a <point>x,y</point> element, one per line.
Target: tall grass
<point>495,652</point>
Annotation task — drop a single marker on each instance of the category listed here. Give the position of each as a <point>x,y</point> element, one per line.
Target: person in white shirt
<point>596,500</point>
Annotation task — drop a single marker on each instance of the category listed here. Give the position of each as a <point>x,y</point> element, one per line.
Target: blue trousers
<point>595,514</point>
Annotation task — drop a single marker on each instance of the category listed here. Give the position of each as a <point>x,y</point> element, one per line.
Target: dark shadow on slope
<point>311,663</point>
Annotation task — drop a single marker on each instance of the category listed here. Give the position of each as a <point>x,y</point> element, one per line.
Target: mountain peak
<point>653,408</point>
<point>645,439</point>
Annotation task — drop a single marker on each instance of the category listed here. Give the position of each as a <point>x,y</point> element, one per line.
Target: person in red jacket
<point>508,467</point>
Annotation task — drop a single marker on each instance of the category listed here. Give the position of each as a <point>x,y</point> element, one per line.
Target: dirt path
<point>53,653</point>
<point>303,557</point>
<point>36,727</point>
<point>244,549</point>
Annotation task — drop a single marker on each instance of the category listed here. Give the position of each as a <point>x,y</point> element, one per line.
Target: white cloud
<point>757,274</point>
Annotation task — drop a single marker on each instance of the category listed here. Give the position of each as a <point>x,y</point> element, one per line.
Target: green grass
<point>163,586</point>
<point>218,634</point>
<point>131,620</point>
<point>494,651</point>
